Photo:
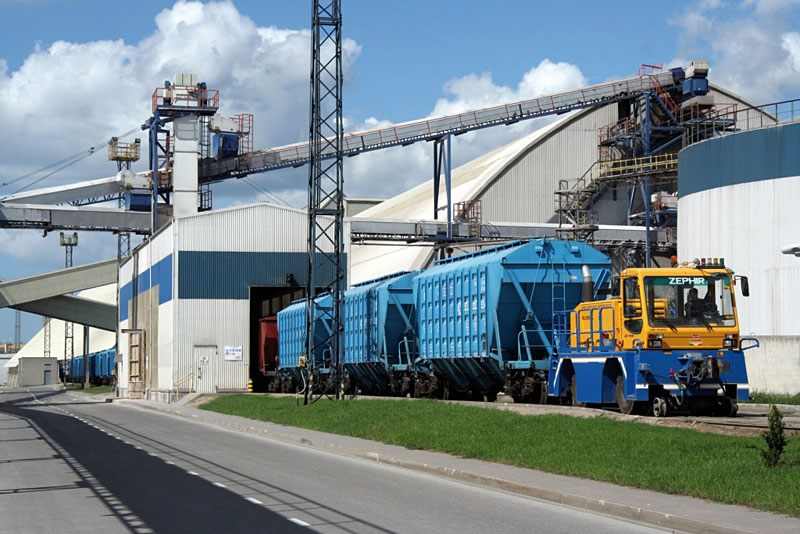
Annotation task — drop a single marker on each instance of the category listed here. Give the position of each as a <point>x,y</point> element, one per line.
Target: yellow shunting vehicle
<point>667,340</point>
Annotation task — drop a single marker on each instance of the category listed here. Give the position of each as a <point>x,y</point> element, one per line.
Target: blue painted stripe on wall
<point>161,276</point>
<point>229,275</point>
<point>125,301</point>
<point>740,158</point>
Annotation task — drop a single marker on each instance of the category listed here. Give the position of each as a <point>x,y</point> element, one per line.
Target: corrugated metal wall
<point>262,243</point>
<point>747,223</point>
<point>746,119</point>
<point>218,323</point>
<point>525,191</point>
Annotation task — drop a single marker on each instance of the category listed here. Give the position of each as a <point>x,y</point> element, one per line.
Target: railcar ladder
<point>558,289</point>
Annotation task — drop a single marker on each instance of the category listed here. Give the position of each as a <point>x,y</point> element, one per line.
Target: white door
<point>204,358</point>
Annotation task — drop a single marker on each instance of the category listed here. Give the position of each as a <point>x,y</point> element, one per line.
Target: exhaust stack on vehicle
<point>587,288</point>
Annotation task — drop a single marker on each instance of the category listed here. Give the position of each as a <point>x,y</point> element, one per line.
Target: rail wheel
<point>628,407</point>
<point>659,407</point>
<point>573,393</point>
<point>728,407</point>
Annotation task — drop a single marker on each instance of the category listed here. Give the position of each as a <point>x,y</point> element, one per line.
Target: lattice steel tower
<point>325,194</point>
<point>124,154</point>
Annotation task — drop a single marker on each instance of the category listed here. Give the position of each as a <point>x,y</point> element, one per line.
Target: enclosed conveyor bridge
<point>51,294</point>
<point>429,129</point>
<point>69,207</point>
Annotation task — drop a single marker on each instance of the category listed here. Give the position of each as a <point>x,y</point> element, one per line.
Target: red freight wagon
<point>268,345</point>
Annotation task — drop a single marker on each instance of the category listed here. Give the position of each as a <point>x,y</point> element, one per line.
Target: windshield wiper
<point>705,321</point>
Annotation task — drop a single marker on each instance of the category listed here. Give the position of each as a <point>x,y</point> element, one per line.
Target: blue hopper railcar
<point>485,319</point>
<point>292,345</point>
<point>380,335</point>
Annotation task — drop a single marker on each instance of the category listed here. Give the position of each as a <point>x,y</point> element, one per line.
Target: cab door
<point>632,312</point>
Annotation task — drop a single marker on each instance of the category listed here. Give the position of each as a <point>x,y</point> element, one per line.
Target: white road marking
<point>217,484</point>
<point>252,500</point>
<point>299,522</point>
<point>193,473</point>
<point>168,462</point>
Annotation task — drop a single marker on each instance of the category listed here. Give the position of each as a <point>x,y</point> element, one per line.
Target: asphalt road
<point>72,465</point>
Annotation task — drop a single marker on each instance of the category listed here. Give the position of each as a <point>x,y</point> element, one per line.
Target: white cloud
<point>750,45</point>
<point>392,171</point>
<point>68,96</point>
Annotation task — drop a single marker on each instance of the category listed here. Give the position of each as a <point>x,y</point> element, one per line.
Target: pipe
<point>587,287</point>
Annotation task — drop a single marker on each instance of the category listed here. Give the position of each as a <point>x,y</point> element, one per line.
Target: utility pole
<point>17,327</point>
<point>69,242</point>
<point>46,341</point>
<point>85,356</point>
<point>325,188</point>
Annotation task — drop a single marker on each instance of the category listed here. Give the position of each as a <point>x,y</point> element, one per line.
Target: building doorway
<point>265,303</point>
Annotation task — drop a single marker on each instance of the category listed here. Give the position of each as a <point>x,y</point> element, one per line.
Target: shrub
<point>774,437</point>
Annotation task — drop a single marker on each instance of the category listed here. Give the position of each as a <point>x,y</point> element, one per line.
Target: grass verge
<point>761,397</point>
<point>669,460</point>
<point>95,390</point>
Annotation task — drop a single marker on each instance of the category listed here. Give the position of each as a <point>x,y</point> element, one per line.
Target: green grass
<point>670,460</point>
<point>761,397</point>
<point>93,390</point>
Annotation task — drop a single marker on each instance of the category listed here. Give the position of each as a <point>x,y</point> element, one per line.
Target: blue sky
<point>410,48</point>
<point>75,72</point>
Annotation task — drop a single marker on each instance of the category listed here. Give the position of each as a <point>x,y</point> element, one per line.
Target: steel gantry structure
<point>325,194</point>
<point>66,207</point>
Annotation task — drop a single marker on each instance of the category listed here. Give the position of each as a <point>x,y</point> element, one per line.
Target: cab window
<point>632,305</point>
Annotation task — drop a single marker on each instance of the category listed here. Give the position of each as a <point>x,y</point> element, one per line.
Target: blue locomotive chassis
<point>643,371</point>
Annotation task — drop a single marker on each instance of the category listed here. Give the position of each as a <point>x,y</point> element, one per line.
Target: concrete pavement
<point>670,511</point>
<point>150,471</point>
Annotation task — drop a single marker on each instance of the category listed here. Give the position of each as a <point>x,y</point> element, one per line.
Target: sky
<point>73,73</point>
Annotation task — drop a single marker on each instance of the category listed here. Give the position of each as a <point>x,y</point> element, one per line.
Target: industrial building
<point>191,297</point>
<point>99,339</point>
<point>738,201</point>
<point>519,182</point>
<point>33,371</point>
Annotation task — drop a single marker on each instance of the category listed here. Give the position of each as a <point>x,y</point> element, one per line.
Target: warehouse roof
<point>468,181</point>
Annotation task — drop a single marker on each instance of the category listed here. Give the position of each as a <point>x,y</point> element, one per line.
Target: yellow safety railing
<point>181,381</point>
<point>633,167</point>
<point>124,151</point>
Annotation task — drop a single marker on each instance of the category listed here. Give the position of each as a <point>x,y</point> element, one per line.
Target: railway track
<point>751,419</point>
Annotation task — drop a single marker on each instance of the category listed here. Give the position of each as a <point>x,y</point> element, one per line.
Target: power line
<point>267,193</point>
<point>62,163</point>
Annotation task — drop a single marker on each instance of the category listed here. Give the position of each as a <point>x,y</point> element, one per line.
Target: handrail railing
<point>574,338</point>
<point>627,168</point>
<point>740,119</point>
<point>181,380</point>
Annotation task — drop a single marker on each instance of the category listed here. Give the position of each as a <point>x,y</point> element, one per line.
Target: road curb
<point>603,506</point>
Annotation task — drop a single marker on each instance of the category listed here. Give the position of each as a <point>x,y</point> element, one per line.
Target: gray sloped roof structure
<point>515,183</point>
